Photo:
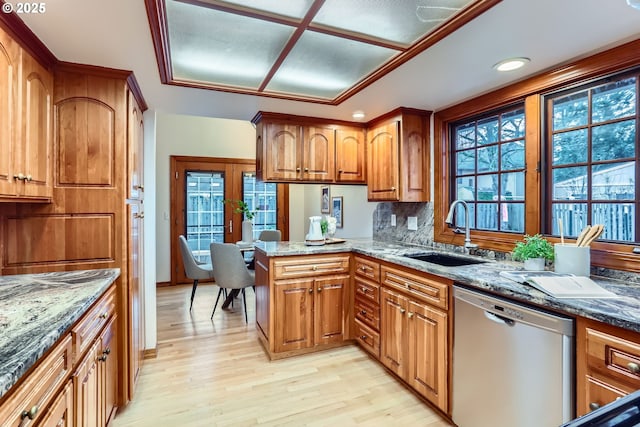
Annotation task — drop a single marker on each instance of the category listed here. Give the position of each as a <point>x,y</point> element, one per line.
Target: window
<point>488,165</point>
<point>205,211</point>
<point>592,158</point>
<point>263,200</point>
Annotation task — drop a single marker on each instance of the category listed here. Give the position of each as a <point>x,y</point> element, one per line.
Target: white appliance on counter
<point>512,363</point>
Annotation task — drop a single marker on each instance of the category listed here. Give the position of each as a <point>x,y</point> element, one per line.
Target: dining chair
<point>193,269</point>
<point>231,272</point>
<point>270,236</point>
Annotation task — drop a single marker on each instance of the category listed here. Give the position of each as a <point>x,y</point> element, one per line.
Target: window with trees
<point>488,165</point>
<point>591,158</point>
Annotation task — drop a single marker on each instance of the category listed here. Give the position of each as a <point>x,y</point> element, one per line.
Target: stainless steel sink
<point>445,259</point>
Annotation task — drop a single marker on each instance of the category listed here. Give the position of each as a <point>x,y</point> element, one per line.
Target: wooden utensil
<point>582,235</point>
<point>593,234</point>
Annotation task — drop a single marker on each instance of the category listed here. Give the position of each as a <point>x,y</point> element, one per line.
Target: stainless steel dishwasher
<point>512,363</point>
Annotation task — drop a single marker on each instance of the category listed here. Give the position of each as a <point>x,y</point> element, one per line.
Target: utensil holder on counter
<point>572,259</point>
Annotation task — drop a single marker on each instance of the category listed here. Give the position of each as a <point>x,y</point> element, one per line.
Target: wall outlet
<point>393,220</point>
<point>412,223</point>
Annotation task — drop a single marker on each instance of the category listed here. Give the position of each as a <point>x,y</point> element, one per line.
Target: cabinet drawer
<point>599,394</point>
<point>39,387</point>
<point>367,268</point>
<point>368,338</point>
<point>423,288</point>
<point>367,313</point>
<point>613,357</point>
<point>87,329</point>
<point>286,268</point>
<point>367,291</point>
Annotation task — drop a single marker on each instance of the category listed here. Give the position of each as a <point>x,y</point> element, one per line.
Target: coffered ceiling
<point>314,50</point>
<point>116,34</point>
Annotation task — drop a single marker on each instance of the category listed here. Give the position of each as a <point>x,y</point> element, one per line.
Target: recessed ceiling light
<point>634,4</point>
<point>511,64</point>
<point>358,115</point>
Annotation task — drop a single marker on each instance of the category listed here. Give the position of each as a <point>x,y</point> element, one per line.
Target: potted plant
<point>534,250</point>
<point>247,224</point>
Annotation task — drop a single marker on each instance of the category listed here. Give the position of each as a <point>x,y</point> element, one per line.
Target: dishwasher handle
<point>498,319</point>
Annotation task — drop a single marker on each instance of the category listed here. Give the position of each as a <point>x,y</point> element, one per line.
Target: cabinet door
<point>86,382</point>
<point>282,147</point>
<point>108,371</point>
<point>135,306</point>
<point>329,310</point>
<point>318,151</point>
<point>35,150</point>
<point>293,309</point>
<point>428,352</point>
<point>350,148</point>
<point>9,116</point>
<point>60,413</point>
<point>393,332</point>
<point>382,162</point>
<point>135,143</point>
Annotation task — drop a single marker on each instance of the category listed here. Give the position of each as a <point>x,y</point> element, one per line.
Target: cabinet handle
<point>28,178</point>
<point>107,351</point>
<point>102,358</point>
<point>402,311</point>
<point>319,289</point>
<point>410,315</point>
<point>363,290</point>
<point>363,337</point>
<point>297,169</point>
<point>31,413</point>
<point>634,368</point>
<point>104,315</point>
<point>363,312</point>
<point>310,290</point>
<point>19,177</point>
<point>593,406</point>
<point>306,169</point>
<point>393,188</point>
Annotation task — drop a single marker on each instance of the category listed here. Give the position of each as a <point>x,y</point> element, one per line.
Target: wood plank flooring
<point>215,373</point>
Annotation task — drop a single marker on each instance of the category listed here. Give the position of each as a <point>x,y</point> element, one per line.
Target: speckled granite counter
<point>37,309</point>
<point>623,312</point>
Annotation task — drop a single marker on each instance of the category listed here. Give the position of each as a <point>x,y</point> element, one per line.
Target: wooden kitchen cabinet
<point>607,364</point>
<point>414,332</point>
<point>366,289</point>
<point>296,148</point>
<point>398,156</point>
<point>301,302</point>
<point>60,413</point>
<point>26,91</point>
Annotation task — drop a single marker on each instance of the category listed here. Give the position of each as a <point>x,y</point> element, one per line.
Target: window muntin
<point>593,157</point>
<point>488,165</point>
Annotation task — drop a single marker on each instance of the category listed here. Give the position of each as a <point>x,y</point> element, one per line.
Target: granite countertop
<point>623,311</point>
<point>37,309</point>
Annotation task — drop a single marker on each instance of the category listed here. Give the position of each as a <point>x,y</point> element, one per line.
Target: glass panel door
<point>262,198</point>
<point>204,211</point>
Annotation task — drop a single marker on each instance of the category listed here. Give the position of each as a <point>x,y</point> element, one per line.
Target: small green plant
<point>324,225</point>
<point>534,246</point>
<point>241,207</point>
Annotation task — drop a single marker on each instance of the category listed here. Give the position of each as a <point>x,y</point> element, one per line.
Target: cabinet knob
<point>310,290</point>
<point>107,351</point>
<point>393,188</point>
<point>104,315</point>
<point>410,315</point>
<point>306,169</point>
<point>102,358</point>
<point>31,413</point>
<point>319,289</point>
<point>19,177</point>
<point>363,290</point>
<point>139,187</point>
<point>593,406</point>
<point>402,311</point>
<point>297,169</point>
<point>339,170</point>
<point>363,337</point>
<point>28,178</point>
<point>363,312</point>
<point>634,368</point>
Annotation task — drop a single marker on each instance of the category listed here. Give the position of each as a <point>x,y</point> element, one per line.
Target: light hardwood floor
<point>215,373</point>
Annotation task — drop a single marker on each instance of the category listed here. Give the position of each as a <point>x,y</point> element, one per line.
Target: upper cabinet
<point>305,149</point>
<point>398,156</point>
<point>135,131</point>
<point>26,90</point>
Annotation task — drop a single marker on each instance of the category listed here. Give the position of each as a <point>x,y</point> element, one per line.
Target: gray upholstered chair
<point>231,272</point>
<point>270,236</point>
<point>192,268</point>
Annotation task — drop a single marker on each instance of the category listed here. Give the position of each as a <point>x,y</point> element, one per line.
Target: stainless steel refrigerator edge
<point>512,363</point>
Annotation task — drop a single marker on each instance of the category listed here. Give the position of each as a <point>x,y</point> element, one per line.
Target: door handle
<point>498,319</point>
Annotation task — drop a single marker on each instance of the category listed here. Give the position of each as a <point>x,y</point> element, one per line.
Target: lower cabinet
<point>309,312</point>
<point>75,384</point>
<point>607,364</point>
<point>414,341</point>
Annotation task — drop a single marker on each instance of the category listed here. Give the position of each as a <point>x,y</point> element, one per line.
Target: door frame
<point>233,189</point>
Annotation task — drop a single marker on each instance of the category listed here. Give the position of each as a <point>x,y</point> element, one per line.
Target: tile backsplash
<point>423,236</point>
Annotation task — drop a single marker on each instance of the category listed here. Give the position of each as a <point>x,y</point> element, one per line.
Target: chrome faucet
<point>449,220</point>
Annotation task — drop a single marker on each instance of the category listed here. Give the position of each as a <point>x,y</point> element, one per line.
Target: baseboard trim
<point>150,353</point>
